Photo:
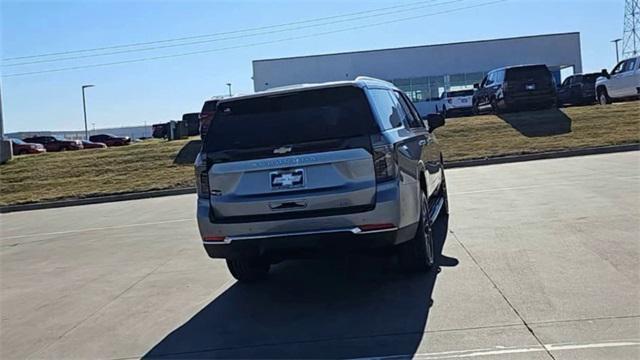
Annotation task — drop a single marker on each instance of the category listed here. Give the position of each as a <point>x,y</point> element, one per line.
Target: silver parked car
<point>345,165</point>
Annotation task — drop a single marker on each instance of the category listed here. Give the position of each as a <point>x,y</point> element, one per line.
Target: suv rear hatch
<point>293,154</point>
<point>458,99</point>
<point>527,81</point>
<point>588,84</point>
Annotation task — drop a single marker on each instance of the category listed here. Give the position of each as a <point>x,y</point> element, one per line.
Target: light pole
<point>229,85</point>
<point>6,152</point>
<point>616,41</point>
<point>84,109</point>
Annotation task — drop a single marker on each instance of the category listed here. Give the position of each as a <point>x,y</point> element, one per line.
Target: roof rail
<point>374,80</point>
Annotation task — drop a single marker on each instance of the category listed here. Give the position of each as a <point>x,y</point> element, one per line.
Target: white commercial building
<point>424,72</point>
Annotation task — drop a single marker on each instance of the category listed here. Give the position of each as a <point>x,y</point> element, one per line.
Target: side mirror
<point>434,121</point>
<point>476,86</point>
<point>605,73</point>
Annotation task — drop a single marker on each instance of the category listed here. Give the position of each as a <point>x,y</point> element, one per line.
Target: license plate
<point>531,87</point>
<point>287,179</point>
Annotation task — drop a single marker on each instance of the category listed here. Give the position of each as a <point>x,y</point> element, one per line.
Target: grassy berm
<point>141,166</point>
<point>150,165</point>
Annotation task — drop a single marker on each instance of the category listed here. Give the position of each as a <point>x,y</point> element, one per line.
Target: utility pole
<point>229,85</point>
<point>6,147</point>
<point>616,41</point>
<point>84,109</point>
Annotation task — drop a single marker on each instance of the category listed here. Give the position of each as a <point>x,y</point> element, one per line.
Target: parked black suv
<point>578,89</point>
<point>521,87</point>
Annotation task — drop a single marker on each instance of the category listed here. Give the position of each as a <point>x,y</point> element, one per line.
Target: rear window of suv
<point>458,93</point>
<point>523,73</point>
<point>291,118</point>
<point>209,106</point>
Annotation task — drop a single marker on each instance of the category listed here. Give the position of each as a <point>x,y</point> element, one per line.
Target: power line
<point>252,44</point>
<point>231,37</point>
<point>216,34</point>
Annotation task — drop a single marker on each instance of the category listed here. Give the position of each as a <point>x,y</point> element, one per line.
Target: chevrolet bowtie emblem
<point>282,150</point>
<point>287,180</point>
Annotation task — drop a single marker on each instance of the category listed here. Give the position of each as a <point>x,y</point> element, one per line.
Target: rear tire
<point>417,254</point>
<point>494,107</point>
<point>603,97</point>
<point>248,269</point>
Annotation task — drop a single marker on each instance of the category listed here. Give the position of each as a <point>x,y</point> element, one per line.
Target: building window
<point>428,88</point>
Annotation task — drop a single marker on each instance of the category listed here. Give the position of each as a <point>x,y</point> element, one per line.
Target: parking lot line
<point>544,185</point>
<point>96,229</point>
<point>500,350</point>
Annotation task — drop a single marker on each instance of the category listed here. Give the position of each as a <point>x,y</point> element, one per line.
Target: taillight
<point>202,176</point>
<point>214,238</point>
<point>203,185</point>
<point>205,121</point>
<point>383,163</point>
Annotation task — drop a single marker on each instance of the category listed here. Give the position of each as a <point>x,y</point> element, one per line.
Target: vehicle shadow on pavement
<point>335,308</point>
<point>187,155</point>
<point>539,123</point>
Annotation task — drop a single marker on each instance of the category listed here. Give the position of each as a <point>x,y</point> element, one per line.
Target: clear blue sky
<point>157,91</point>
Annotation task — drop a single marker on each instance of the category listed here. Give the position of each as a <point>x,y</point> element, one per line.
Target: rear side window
<point>389,112</point>
<point>459,93</point>
<point>590,78</point>
<point>409,118</point>
<point>537,72</point>
<point>292,118</point>
<point>209,106</point>
<point>190,116</point>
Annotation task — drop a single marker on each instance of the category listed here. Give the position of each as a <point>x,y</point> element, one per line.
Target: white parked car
<point>456,103</point>
<point>622,83</point>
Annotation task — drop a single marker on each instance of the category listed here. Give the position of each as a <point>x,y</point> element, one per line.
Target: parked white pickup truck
<point>622,83</point>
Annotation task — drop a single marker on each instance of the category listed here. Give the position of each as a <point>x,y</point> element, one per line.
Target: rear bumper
<point>458,111</point>
<point>29,151</point>
<point>583,98</point>
<point>531,100</point>
<point>309,243</point>
<point>336,232</point>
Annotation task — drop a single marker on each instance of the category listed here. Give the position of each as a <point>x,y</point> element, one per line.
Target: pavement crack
<point>495,285</point>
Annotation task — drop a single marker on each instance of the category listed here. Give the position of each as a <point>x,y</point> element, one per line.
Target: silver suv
<point>341,166</point>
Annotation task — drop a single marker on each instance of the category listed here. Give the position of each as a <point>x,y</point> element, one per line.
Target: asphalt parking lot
<point>541,260</point>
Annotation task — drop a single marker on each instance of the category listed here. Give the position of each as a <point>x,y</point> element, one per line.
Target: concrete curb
<point>448,165</point>
<point>542,155</point>
<point>96,200</point>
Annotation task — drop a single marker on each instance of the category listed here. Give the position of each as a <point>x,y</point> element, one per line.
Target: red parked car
<point>20,147</point>
<point>111,140</point>
<point>93,145</point>
<point>52,143</point>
